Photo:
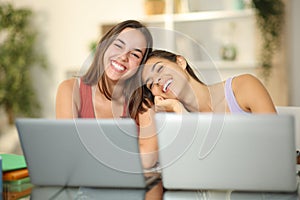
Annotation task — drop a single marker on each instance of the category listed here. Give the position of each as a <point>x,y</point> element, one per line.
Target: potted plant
<point>270,20</point>
<point>18,55</point>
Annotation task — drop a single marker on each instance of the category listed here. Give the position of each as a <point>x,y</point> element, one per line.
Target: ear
<point>180,60</point>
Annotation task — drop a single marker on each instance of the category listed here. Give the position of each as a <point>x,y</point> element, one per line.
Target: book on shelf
<point>15,174</point>
<point>12,162</point>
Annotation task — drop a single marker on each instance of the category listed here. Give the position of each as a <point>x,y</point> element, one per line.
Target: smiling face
<point>124,55</point>
<point>165,78</point>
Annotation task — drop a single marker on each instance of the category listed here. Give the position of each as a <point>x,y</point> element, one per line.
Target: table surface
<point>155,192</point>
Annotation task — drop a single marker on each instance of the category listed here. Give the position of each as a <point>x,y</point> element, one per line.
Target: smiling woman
<point>108,89</point>
<point>174,87</point>
<point>104,89</point>
<point>130,48</point>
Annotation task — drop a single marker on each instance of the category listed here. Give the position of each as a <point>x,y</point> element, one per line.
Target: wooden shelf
<point>227,65</point>
<point>199,16</point>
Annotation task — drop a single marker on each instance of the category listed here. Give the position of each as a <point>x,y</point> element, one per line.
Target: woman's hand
<point>168,105</point>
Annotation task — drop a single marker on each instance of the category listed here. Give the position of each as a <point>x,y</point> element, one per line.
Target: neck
<point>198,91</point>
<point>115,88</point>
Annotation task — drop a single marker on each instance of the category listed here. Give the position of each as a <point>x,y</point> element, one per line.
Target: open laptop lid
<point>227,152</point>
<point>82,152</point>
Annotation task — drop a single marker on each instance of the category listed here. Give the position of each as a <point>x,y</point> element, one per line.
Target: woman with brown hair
<point>108,89</point>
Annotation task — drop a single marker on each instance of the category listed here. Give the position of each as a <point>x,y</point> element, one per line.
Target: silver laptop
<point>227,152</point>
<point>83,152</point>
<point>224,195</point>
<point>87,193</point>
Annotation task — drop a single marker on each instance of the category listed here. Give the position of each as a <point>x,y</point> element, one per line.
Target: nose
<point>124,55</point>
<point>156,88</point>
<point>157,81</point>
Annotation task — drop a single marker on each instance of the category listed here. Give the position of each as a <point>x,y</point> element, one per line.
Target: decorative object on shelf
<point>233,4</point>
<point>228,52</point>
<point>19,54</point>
<point>270,19</point>
<point>228,48</point>
<point>239,4</point>
<point>154,7</point>
<point>181,6</point>
<point>158,7</point>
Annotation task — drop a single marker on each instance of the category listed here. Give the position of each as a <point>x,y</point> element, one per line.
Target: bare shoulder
<point>67,84</point>
<point>252,94</point>
<point>67,89</point>
<point>246,79</point>
<point>67,99</point>
<point>247,82</point>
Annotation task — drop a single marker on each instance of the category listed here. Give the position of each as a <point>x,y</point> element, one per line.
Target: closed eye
<point>137,55</point>
<point>159,69</point>
<point>118,45</point>
<point>149,83</point>
<point>150,86</point>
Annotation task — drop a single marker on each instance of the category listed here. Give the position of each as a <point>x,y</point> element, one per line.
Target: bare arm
<point>251,94</point>
<point>67,99</point>
<point>168,105</point>
<point>148,139</point>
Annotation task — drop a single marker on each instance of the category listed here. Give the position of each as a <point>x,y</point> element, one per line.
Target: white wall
<point>66,28</point>
<point>294,49</point>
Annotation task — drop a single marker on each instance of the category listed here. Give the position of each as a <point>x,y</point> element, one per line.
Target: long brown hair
<point>96,70</point>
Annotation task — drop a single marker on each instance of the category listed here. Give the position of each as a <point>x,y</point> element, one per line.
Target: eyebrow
<point>124,43</point>
<point>152,69</point>
<point>121,41</point>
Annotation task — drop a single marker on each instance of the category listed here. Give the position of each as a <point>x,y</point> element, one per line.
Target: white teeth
<point>166,85</point>
<point>117,66</point>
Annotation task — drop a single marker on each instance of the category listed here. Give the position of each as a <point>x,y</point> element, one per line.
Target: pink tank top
<point>86,102</point>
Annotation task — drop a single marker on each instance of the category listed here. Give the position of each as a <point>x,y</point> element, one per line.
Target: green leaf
<point>18,55</point>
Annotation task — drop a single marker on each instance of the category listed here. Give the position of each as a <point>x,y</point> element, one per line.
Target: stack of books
<point>15,177</point>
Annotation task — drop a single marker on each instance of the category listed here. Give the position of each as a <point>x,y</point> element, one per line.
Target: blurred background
<point>53,40</point>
